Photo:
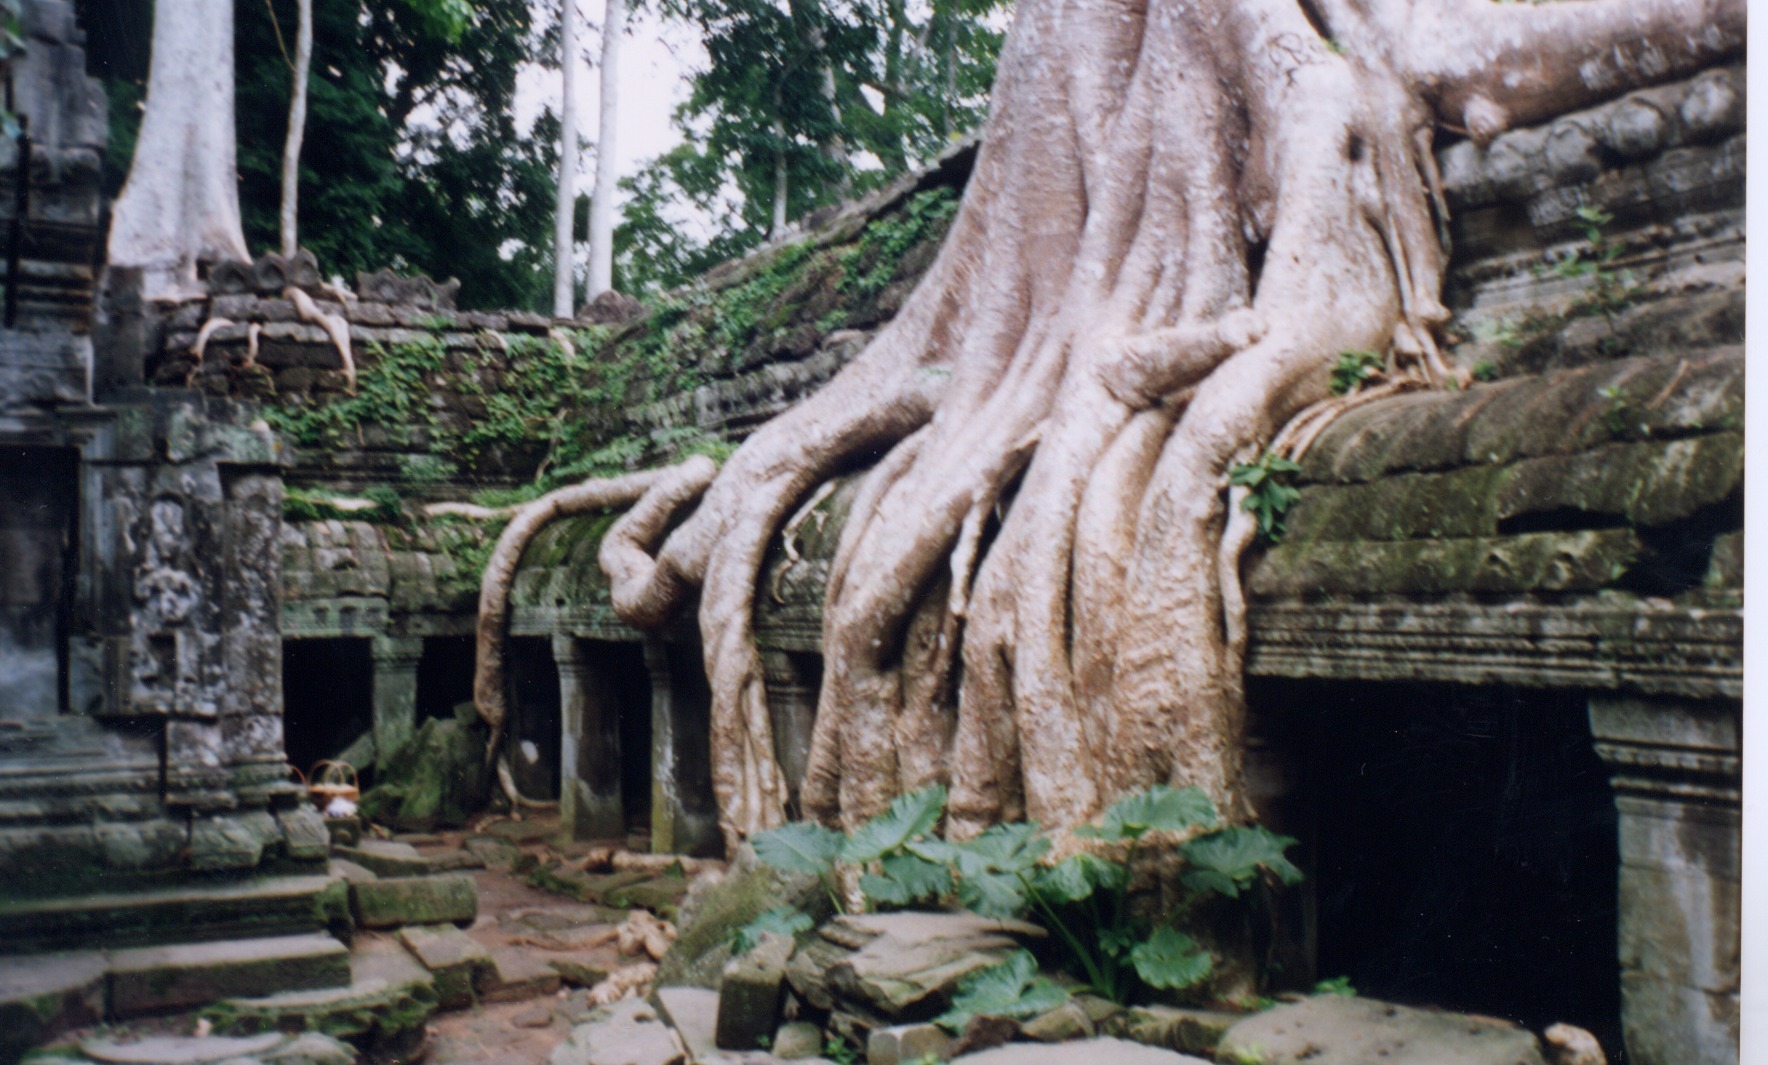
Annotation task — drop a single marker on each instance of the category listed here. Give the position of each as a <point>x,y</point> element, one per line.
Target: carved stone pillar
<point>684,815</point>
<point>1676,769</point>
<point>589,747</point>
<point>793,681</point>
<point>395,692</point>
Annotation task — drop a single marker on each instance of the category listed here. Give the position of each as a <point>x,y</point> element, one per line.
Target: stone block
<point>1066,1022</point>
<point>906,1044</point>
<point>495,851</point>
<point>452,898</point>
<point>1188,1031</point>
<point>519,974</point>
<point>627,1033</point>
<point>159,979</point>
<point>1346,1030</point>
<point>910,963</point>
<point>693,1012</point>
<point>750,995</point>
<point>1093,1052</point>
<point>459,964</point>
<point>1670,1024</point>
<point>386,858</point>
<point>1681,927</point>
<point>43,995</point>
<point>797,1041</point>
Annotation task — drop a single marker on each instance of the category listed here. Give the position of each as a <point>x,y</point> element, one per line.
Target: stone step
<point>381,1012</point>
<point>192,913</point>
<point>43,995</point>
<point>146,980</point>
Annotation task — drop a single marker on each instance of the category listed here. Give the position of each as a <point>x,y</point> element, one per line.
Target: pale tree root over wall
<point>1183,211</point>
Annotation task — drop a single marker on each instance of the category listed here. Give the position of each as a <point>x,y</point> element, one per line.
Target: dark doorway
<point>444,676</point>
<point>327,697</point>
<point>36,542</point>
<point>532,745</point>
<point>1464,847</point>
<point>625,683</point>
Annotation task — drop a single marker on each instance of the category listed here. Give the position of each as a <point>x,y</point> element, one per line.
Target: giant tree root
<point>1182,212</point>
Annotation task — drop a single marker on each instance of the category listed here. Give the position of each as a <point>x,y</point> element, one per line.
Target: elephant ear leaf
<point>800,847</point>
<point>1171,960</point>
<point>1227,861</point>
<point>1158,809</point>
<point>908,818</point>
<point>1011,989</point>
<point>781,921</point>
<point>906,879</point>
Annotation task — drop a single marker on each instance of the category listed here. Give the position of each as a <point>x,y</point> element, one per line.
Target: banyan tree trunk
<point>1182,212</point>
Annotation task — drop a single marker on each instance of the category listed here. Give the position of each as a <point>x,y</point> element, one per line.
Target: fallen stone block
<point>717,906</point>
<point>1066,1022</point>
<point>627,1033</point>
<point>43,995</point>
<point>797,1040</point>
<point>495,851</point>
<point>906,1044</point>
<point>750,996</point>
<point>270,1048</point>
<point>693,1012</point>
<point>448,860</point>
<point>350,871</point>
<point>661,895</point>
<point>1188,1031</point>
<point>519,974</point>
<point>162,979</point>
<point>910,963</point>
<point>386,858</point>
<point>460,965</point>
<point>452,898</point>
<point>1091,1052</point>
<point>1347,1030</point>
<point>583,969</point>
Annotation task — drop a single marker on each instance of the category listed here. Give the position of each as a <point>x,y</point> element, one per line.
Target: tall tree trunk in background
<point>1182,211</point>
<point>780,182</point>
<point>564,222</point>
<point>291,149</point>
<point>180,204</point>
<point>601,205</point>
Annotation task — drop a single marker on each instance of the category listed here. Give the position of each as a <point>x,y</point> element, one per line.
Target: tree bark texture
<point>291,149</point>
<point>565,212</point>
<point>1182,212</point>
<point>601,204</point>
<point>180,204</point>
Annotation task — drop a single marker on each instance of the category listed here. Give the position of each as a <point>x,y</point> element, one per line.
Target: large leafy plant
<point>1084,900</point>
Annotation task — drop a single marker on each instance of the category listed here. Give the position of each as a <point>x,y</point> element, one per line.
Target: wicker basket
<point>330,780</point>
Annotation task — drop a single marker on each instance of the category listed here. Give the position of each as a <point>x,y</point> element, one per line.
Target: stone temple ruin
<point>1496,664</point>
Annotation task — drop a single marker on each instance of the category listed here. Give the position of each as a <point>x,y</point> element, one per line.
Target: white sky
<point>654,66</point>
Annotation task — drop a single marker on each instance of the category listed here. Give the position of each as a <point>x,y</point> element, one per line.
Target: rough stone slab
<point>179,1050</point>
<point>910,967</point>
<point>1188,1031</point>
<point>1066,1022</point>
<point>519,974</point>
<point>461,966</point>
<point>447,860</point>
<point>629,1032</point>
<point>265,906</point>
<point>1091,1052</point>
<point>43,995</point>
<point>907,1044</point>
<point>1581,561</point>
<point>1345,1030</point>
<point>694,1013</point>
<point>386,858</point>
<point>156,979</point>
<point>751,994</point>
<point>415,900</point>
<point>581,968</point>
<point>350,871</point>
<point>495,851</point>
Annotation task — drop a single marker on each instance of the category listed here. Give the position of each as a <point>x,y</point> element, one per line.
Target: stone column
<point>684,816</point>
<point>589,747</point>
<point>792,687</point>
<point>395,692</point>
<point>1676,768</point>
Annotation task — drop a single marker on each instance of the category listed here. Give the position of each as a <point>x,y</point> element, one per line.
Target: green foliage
<point>1337,985</point>
<point>871,264</point>
<point>1012,989</point>
<point>318,504</point>
<point>1229,860</point>
<point>781,921</point>
<point>1083,899</point>
<point>841,1052</point>
<point>1269,492</point>
<point>1485,370</point>
<point>1170,959</point>
<point>1352,369</point>
<point>1158,809</point>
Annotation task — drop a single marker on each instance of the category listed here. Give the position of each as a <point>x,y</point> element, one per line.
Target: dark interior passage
<point>1464,846</point>
<point>36,542</point>
<point>624,687</point>
<point>327,697</point>
<point>444,676</point>
<point>532,743</point>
